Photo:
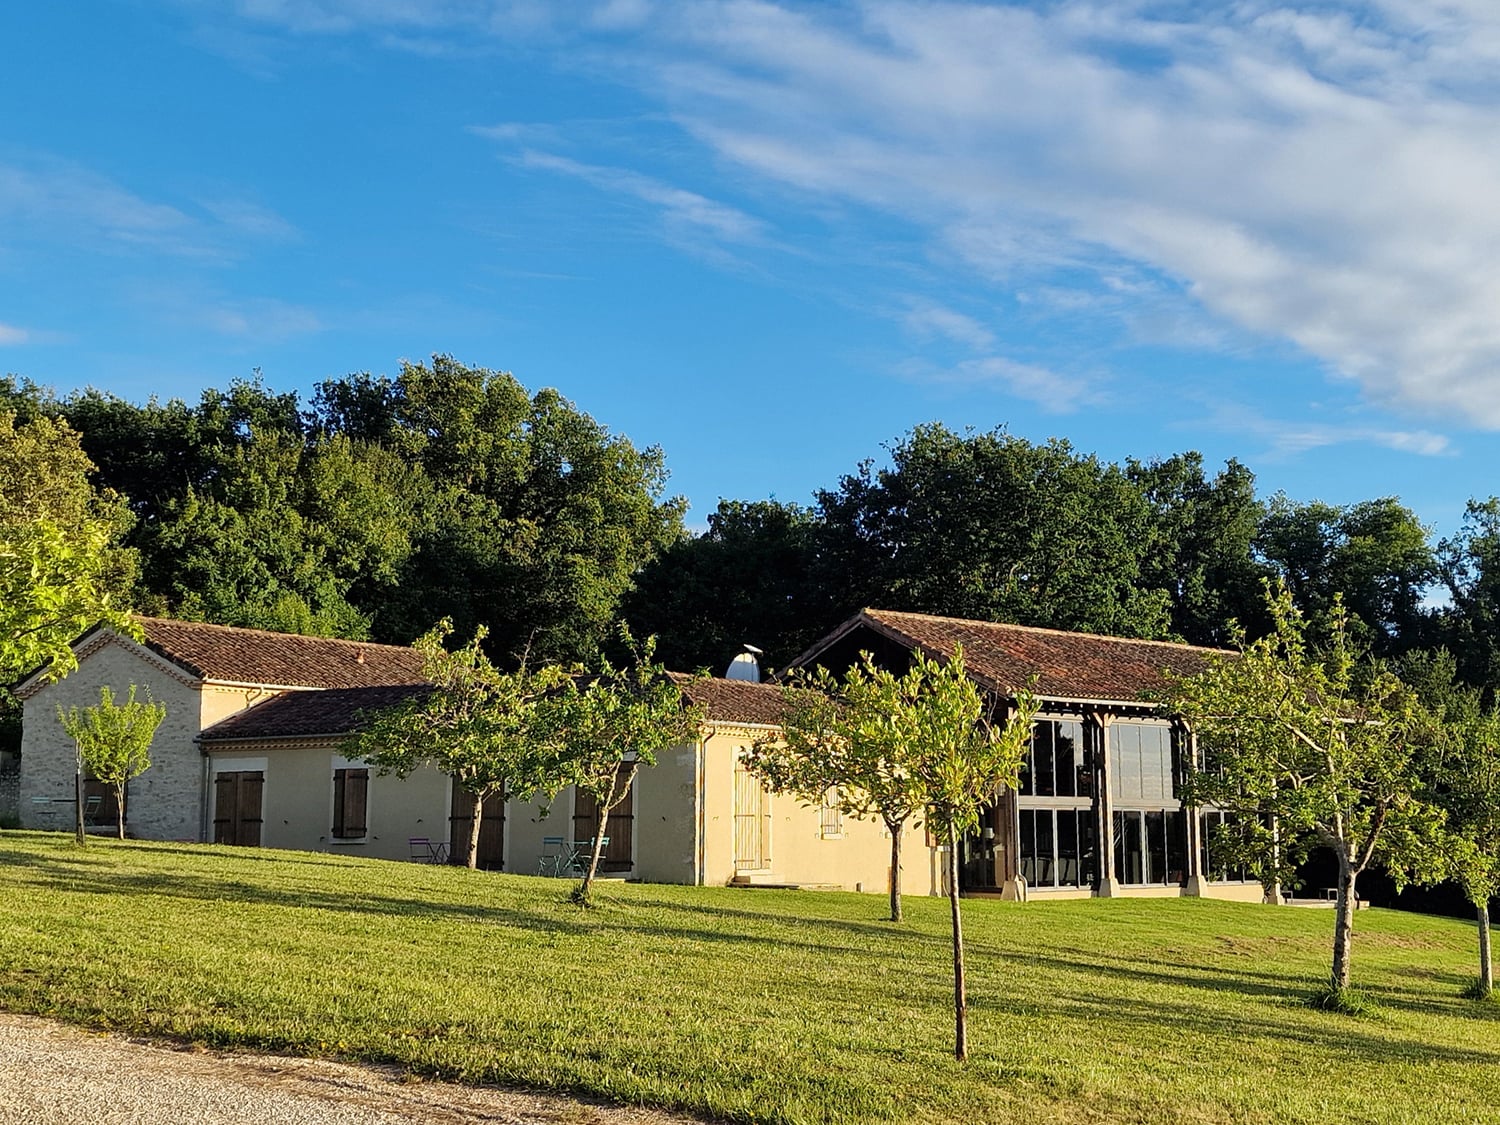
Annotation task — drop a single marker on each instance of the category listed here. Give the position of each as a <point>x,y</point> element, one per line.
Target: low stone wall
<point>10,788</point>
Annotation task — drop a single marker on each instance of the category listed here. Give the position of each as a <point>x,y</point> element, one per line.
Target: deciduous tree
<point>619,720</point>
<point>497,734</point>
<point>114,744</point>
<point>840,742</point>
<point>1332,749</point>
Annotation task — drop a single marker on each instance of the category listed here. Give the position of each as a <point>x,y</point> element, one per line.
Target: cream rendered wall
<point>859,859</point>
<point>666,821</point>
<point>164,802</point>
<point>297,801</point>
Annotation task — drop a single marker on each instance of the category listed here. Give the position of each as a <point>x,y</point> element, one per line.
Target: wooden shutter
<point>491,833</point>
<point>226,789</point>
<point>351,789</point>
<point>250,786</point>
<point>620,829</point>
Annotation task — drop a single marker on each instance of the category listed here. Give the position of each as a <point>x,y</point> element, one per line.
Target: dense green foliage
<point>380,506</point>
<point>754,1005</point>
<point>61,571</point>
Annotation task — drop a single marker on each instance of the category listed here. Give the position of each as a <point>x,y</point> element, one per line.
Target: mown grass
<point>751,1005</point>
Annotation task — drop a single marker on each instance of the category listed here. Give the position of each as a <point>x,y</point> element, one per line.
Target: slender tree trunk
<point>78,803</point>
<point>598,849</point>
<point>1273,887</point>
<point>120,811</point>
<point>1343,926</point>
<point>895,887</point>
<point>1486,966</point>
<point>474,827</point>
<point>960,1003</point>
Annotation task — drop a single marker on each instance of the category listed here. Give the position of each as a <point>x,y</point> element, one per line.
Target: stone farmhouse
<point>250,755</point>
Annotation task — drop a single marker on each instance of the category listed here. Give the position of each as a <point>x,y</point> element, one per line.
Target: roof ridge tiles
<point>177,622</point>
<point>876,614</point>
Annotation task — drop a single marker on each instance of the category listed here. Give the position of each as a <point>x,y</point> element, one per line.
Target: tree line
<point>382,504</point>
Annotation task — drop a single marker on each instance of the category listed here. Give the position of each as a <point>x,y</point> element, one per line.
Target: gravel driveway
<point>51,1072</point>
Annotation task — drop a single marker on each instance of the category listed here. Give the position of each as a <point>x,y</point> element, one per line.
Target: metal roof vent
<point>745,666</point>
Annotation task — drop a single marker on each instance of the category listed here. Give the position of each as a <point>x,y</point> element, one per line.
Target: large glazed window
<point>1214,825</point>
<point>1059,847</point>
<point>1058,762</point>
<point>1143,763</point>
<point>1059,838</point>
<point>1151,847</point>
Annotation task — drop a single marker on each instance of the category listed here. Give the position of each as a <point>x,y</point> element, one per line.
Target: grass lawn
<point>752,1005</point>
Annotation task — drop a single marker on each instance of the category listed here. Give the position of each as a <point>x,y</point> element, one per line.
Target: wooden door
<point>752,821</point>
<point>620,828</point>
<point>237,807</point>
<point>491,831</point>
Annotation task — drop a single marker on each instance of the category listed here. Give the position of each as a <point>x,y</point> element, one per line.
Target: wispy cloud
<point>1320,175</point>
<point>1286,438</point>
<point>927,319</point>
<point>10,335</point>
<point>1051,390</point>
<point>50,200</point>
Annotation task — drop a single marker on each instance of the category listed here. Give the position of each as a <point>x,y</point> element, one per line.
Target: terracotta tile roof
<point>1083,666</point>
<point>733,701</point>
<point>255,656</point>
<point>304,714</point>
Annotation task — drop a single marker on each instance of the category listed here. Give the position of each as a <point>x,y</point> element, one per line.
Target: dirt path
<point>51,1072</point>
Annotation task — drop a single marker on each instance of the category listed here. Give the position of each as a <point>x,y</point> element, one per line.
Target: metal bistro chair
<point>557,856</point>
<point>91,807</point>
<point>423,850</point>
<point>582,851</point>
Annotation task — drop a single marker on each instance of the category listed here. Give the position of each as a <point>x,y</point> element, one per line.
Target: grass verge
<point>749,1005</point>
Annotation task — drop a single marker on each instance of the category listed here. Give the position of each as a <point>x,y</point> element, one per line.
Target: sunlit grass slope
<point>752,1005</point>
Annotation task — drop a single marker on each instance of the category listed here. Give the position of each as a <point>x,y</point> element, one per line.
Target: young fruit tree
<point>1469,792</point>
<point>1332,750</point>
<point>962,759</point>
<point>839,743</point>
<point>617,721</point>
<point>114,744</point>
<point>495,733</point>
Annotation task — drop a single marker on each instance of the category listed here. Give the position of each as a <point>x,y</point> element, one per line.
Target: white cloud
<point>1054,392</point>
<point>1323,177</point>
<point>10,335</point>
<point>1320,174</point>
<point>49,200</point>
<point>263,318</point>
<point>927,319</point>
<point>1286,438</point>
<point>680,208</point>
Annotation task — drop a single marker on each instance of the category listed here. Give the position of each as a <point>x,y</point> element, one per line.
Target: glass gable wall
<point>1150,825</point>
<point>1058,831</point>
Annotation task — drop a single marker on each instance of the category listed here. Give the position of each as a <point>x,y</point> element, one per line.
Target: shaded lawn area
<point>751,1005</point>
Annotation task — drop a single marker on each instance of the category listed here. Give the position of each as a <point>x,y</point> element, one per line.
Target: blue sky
<point>773,237</point>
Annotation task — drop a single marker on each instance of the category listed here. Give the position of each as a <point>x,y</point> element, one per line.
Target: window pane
<point>1156,848</point>
<point>1176,847</point>
<point>1156,763</point>
<point>1067,847</point>
<point>1069,755</point>
<point>1125,761</point>
<point>1207,823</point>
<point>1129,862</point>
<point>1086,757</point>
<point>1028,846</point>
<point>1042,754</point>
<point>1028,769</point>
<point>1088,849</point>
<point>1046,873</point>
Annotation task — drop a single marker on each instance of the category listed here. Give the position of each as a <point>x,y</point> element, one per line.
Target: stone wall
<point>10,787</point>
<point>165,802</point>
